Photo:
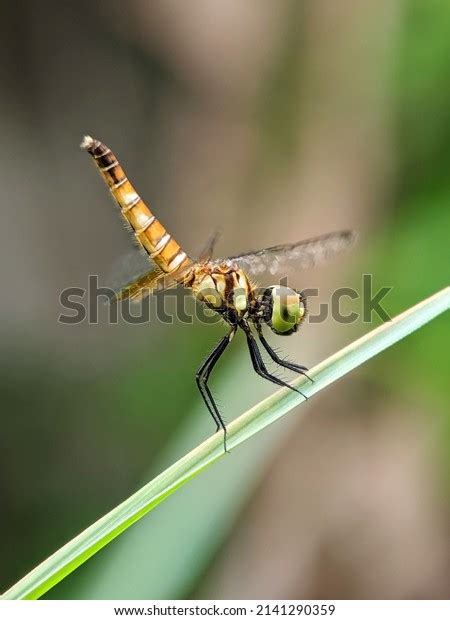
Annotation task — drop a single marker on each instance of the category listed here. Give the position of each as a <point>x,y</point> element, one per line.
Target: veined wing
<point>303,254</point>
<point>208,248</point>
<point>139,288</point>
<point>135,276</point>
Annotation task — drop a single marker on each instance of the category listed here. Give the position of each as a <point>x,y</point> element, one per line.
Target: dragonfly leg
<point>202,377</point>
<point>258,362</point>
<point>301,370</point>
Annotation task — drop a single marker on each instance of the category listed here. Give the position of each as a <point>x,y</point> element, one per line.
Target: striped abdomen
<point>148,230</point>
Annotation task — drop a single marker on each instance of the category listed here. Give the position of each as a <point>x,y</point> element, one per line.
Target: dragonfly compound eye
<point>287,310</point>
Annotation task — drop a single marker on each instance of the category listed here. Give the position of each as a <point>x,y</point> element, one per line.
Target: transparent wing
<point>303,254</point>
<point>208,249</point>
<point>139,288</point>
<point>134,276</point>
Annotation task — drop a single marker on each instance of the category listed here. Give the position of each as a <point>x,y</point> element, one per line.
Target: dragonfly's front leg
<point>202,377</point>
<point>284,363</point>
<point>258,362</point>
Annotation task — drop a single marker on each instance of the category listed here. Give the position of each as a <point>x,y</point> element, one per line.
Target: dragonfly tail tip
<point>87,143</point>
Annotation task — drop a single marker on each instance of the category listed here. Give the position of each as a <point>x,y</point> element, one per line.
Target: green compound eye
<point>288,310</point>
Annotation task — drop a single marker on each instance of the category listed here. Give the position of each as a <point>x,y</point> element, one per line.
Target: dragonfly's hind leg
<point>202,377</point>
<point>301,370</point>
<point>258,362</point>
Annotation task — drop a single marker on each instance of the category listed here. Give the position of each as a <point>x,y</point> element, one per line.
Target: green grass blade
<point>91,540</point>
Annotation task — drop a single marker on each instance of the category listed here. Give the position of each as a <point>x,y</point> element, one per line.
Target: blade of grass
<point>162,557</point>
<point>91,540</point>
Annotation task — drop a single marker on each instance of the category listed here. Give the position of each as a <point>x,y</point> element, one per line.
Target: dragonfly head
<point>283,308</point>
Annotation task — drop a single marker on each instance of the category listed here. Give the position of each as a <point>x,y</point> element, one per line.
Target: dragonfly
<point>225,285</point>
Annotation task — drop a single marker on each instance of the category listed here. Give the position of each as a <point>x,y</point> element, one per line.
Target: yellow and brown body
<point>148,230</point>
<point>222,287</point>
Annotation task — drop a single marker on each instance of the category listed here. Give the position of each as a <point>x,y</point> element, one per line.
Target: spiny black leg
<point>258,362</point>
<point>202,377</point>
<point>285,363</point>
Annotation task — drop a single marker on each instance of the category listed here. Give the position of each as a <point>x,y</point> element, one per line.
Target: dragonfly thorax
<point>222,287</point>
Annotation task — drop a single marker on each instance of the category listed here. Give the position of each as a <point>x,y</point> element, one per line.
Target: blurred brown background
<point>275,121</point>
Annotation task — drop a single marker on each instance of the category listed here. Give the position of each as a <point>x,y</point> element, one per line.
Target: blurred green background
<point>275,121</point>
